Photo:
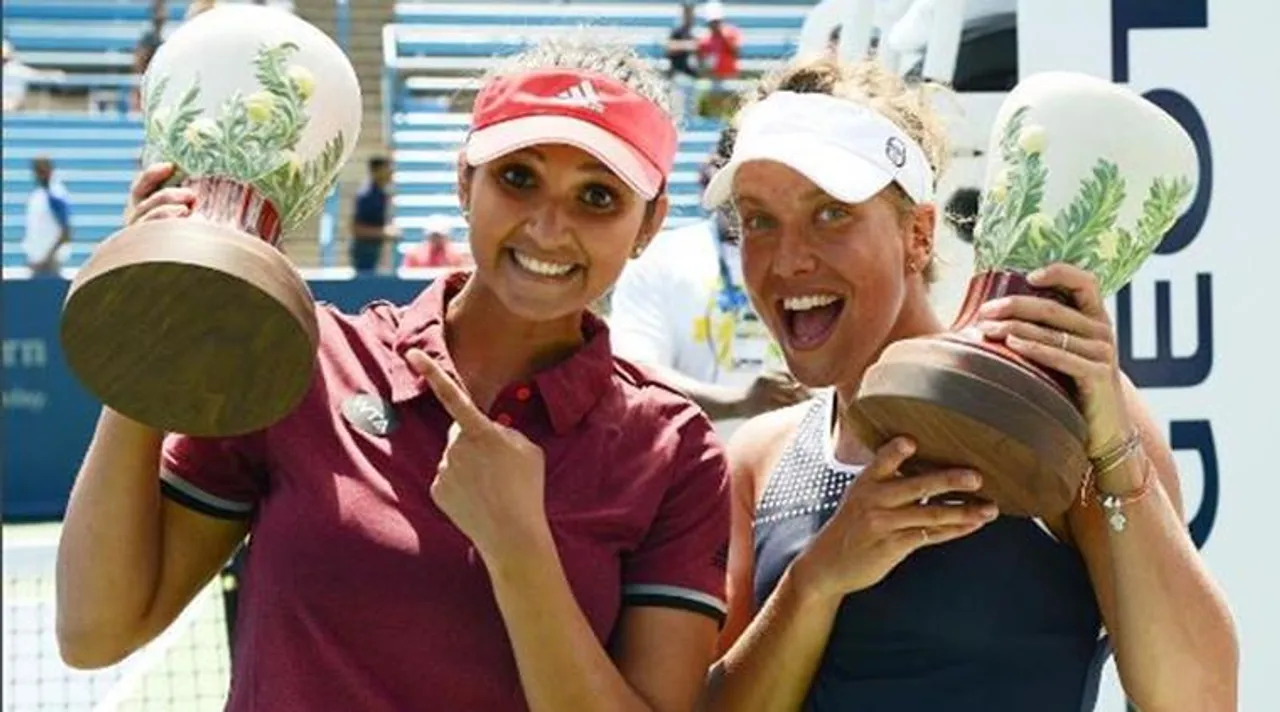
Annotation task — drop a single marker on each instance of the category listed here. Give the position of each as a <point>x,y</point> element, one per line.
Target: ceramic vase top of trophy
<point>1074,179</point>
<point>1080,171</point>
<point>258,96</point>
<point>200,324</point>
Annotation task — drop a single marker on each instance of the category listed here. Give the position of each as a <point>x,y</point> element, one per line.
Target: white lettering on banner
<point>24,353</point>
<point>20,354</point>
<point>1164,369</point>
<point>1197,329</point>
<point>22,399</point>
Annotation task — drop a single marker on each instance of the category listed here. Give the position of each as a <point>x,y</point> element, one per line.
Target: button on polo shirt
<point>361,594</point>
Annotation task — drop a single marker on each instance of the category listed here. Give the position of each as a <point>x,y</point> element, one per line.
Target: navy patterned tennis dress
<point>1003,620</point>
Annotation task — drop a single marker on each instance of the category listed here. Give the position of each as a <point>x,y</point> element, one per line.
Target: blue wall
<point>49,417</point>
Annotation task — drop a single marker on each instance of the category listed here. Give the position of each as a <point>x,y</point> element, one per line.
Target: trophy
<point>200,325</point>
<point>1082,171</point>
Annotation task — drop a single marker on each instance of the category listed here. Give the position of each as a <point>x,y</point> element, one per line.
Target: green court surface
<point>185,669</point>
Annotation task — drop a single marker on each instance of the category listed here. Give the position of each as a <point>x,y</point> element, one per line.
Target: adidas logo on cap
<point>583,95</point>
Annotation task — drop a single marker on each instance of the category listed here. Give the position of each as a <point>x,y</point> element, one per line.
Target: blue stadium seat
<point>758,15</point>
<point>435,49</point>
<point>87,36</point>
<point>82,10</point>
<point>490,42</point>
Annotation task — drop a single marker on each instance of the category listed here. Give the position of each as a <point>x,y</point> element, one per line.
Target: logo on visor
<point>583,95</point>
<point>895,151</point>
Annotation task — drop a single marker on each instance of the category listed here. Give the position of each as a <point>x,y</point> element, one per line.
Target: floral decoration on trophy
<point>1081,171</point>
<point>200,324</point>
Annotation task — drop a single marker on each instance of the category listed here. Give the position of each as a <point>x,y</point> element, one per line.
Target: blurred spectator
<point>17,78</point>
<point>682,59</point>
<point>681,46</point>
<point>680,309</point>
<point>147,45</point>
<point>437,248</point>
<point>962,212</point>
<point>48,220</point>
<point>371,225</point>
<point>720,47</point>
<point>718,52</point>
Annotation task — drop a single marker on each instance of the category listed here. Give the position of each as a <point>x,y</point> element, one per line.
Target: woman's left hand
<point>490,480</point>
<point>1078,342</point>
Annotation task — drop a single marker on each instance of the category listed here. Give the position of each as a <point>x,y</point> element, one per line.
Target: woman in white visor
<point>847,590</point>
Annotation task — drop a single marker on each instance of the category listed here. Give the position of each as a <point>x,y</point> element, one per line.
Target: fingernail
<point>987,327</point>
<point>973,480</point>
<point>990,512</point>
<point>905,446</point>
<point>1036,275</point>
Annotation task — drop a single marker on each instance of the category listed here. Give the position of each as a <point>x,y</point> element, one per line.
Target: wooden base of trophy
<point>970,402</point>
<point>192,326</point>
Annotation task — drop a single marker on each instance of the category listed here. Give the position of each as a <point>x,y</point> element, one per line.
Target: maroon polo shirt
<point>360,594</point>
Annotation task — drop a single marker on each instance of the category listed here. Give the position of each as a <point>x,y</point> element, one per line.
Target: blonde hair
<point>907,104</point>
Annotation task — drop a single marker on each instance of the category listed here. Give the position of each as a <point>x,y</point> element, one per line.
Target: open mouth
<point>543,269</point>
<point>810,319</point>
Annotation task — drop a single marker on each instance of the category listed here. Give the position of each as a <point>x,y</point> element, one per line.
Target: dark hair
<point>377,163</point>
<point>720,155</point>
<point>962,211</point>
<point>724,147</point>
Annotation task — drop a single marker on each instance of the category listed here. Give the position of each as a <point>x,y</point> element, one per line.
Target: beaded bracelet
<point>1114,504</point>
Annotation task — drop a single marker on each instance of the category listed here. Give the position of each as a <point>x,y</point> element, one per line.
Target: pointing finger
<point>452,396</point>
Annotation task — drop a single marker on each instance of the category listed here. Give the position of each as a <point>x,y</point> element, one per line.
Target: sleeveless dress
<point>1004,620</point>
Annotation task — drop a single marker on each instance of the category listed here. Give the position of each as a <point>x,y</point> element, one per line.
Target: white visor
<point>848,150</point>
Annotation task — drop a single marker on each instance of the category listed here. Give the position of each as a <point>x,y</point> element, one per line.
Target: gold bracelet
<point>1113,504</point>
<point>1112,458</point>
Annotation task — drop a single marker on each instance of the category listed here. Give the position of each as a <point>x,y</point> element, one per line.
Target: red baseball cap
<point>628,133</point>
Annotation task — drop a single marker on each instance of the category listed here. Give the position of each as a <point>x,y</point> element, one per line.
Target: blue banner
<point>49,417</point>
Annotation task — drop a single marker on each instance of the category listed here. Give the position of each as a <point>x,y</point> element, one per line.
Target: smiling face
<point>551,228</point>
<point>831,280</point>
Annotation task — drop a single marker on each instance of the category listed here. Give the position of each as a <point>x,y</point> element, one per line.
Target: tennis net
<point>186,668</point>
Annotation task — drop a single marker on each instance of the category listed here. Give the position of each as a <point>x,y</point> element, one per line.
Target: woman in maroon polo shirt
<point>476,507</point>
